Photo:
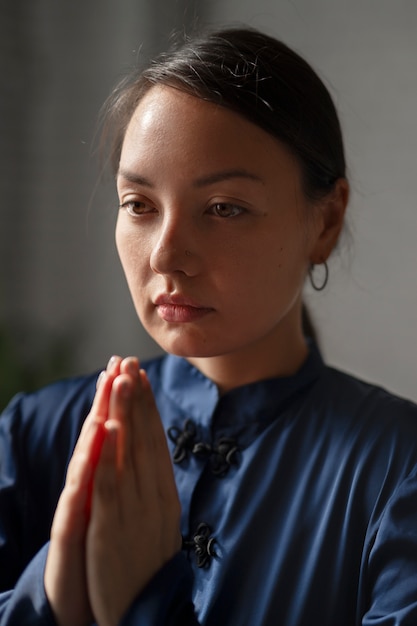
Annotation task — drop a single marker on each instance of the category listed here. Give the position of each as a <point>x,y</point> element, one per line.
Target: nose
<point>174,248</point>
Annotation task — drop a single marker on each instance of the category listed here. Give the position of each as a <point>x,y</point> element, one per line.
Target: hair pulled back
<point>256,76</point>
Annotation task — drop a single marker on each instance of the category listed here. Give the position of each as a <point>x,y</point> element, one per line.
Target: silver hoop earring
<point>315,286</point>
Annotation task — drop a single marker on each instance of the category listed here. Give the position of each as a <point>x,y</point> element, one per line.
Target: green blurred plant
<point>31,358</point>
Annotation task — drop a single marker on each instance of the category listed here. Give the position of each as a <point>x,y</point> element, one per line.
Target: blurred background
<point>64,305</point>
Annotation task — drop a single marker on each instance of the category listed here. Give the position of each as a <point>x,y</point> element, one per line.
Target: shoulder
<point>68,397</point>
<point>55,411</point>
<point>341,398</point>
<point>345,390</point>
<point>366,419</point>
<point>63,394</point>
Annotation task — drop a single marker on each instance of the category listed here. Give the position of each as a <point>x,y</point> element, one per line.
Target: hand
<point>135,515</point>
<point>65,573</point>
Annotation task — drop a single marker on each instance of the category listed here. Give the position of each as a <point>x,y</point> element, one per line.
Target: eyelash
<point>131,207</point>
<point>237,210</point>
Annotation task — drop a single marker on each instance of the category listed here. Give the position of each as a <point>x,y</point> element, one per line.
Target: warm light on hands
<point>117,521</point>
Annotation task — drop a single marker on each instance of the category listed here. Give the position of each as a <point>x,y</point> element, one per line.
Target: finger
<point>140,448</point>
<point>144,454</point>
<point>99,414</point>
<point>99,408</point>
<point>101,400</point>
<point>88,447</point>
<point>80,466</point>
<point>87,450</point>
<point>126,409</point>
<point>165,481</point>
<point>73,508</point>
<point>105,494</point>
<point>149,451</point>
<point>119,412</point>
<point>128,377</point>
<point>159,465</point>
<point>83,464</point>
<point>130,366</point>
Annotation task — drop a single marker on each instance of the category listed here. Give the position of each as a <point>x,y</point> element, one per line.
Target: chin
<point>193,341</point>
<point>185,345</point>
<point>187,351</point>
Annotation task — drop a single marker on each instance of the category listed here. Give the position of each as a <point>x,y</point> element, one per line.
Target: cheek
<point>274,271</point>
<point>131,250</point>
<point>118,237</point>
<point>124,247</point>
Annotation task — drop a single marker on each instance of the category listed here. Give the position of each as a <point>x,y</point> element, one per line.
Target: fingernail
<point>132,367</point>
<point>144,379</point>
<point>100,378</point>
<point>111,363</point>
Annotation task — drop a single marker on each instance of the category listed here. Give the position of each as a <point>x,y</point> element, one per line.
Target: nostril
<point>171,257</point>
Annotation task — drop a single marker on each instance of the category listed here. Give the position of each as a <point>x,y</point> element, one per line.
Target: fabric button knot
<point>202,543</point>
<point>222,455</point>
<point>183,439</point>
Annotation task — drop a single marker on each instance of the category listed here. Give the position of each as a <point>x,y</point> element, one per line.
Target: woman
<point>292,496</point>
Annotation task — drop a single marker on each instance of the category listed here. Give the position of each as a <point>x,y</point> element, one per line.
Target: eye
<point>136,207</point>
<point>226,209</point>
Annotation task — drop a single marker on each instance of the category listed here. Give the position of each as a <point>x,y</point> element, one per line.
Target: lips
<point>180,309</point>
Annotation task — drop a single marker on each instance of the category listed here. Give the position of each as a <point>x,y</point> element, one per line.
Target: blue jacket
<point>299,500</point>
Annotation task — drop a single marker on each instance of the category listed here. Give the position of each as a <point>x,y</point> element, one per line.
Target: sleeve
<point>10,538</point>
<point>166,600</point>
<point>22,596</point>
<point>27,604</point>
<point>391,594</point>
<point>37,434</point>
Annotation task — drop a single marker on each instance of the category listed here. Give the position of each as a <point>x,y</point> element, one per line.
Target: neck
<point>280,355</point>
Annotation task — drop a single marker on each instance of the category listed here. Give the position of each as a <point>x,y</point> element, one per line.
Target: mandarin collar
<point>197,396</point>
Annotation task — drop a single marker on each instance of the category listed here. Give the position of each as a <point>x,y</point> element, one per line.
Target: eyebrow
<point>204,181</point>
<point>131,177</point>
<point>218,177</point>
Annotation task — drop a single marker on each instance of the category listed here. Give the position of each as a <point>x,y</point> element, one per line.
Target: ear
<point>331,212</point>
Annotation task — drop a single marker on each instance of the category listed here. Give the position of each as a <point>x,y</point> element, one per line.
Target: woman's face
<point>212,231</point>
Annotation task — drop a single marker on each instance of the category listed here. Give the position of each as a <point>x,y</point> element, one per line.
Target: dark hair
<point>260,78</point>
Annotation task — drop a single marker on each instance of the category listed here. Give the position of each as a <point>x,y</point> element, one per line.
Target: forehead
<point>191,133</point>
<point>165,111</point>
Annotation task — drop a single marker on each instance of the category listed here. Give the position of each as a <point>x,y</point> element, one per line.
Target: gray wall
<point>64,306</point>
<point>60,279</point>
<point>367,54</point>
